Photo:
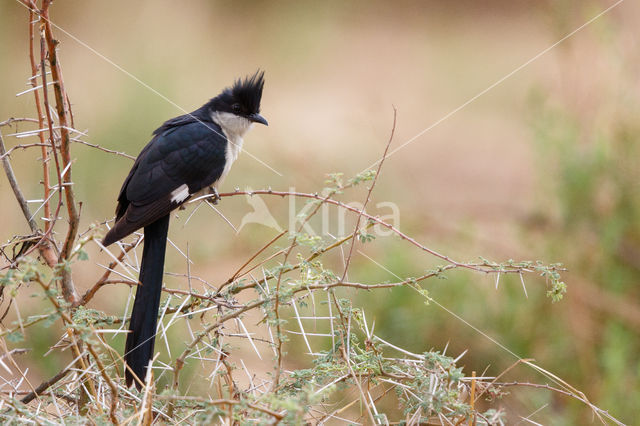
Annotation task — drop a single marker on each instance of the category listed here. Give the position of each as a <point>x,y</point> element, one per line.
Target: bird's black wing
<point>184,151</point>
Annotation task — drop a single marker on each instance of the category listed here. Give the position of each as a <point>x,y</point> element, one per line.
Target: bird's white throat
<point>234,127</point>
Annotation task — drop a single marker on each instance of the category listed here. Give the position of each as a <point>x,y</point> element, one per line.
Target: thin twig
<point>103,279</point>
<point>8,170</point>
<point>356,229</point>
<point>22,146</point>
<point>44,247</point>
<point>112,386</point>
<point>41,389</point>
<point>235,275</point>
<point>101,148</point>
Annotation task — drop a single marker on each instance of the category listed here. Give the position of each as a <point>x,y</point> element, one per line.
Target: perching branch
<point>478,267</point>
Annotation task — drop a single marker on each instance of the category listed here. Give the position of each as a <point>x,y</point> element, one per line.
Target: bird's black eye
<point>236,108</point>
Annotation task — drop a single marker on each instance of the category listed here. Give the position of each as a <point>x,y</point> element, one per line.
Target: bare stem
<point>36,94</point>
<point>356,229</point>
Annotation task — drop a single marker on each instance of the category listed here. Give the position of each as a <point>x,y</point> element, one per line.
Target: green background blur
<point>542,166</point>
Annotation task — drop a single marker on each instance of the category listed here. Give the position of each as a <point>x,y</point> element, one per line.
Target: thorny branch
<point>61,107</point>
<point>41,135</point>
<point>42,388</point>
<point>44,247</point>
<point>478,267</point>
<point>8,170</point>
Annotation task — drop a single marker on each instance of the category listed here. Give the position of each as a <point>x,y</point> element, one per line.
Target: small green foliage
<point>210,414</point>
<point>365,237</point>
<point>82,255</point>
<point>312,241</point>
<point>492,417</point>
<point>494,393</point>
<point>366,176</point>
<point>15,337</point>
<point>558,288</point>
<point>92,317</point>
<point>51,319</point>
<point>334,181</point>
<point>313,273</point>
<point>423,292</point>
<point>438,272</point>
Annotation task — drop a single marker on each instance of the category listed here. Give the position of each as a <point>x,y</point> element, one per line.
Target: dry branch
<point>44,247</point>
<point>68,288</point>
<point>41,136</point>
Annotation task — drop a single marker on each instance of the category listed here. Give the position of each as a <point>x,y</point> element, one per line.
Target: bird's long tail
<point>144,316</point>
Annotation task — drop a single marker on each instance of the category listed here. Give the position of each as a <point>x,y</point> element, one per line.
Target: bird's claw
<point>216,197</point>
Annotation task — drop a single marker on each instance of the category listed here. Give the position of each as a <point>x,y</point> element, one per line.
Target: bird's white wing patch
<point>180,194</point>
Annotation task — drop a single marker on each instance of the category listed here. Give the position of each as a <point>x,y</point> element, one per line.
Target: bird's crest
<point>249,91</point>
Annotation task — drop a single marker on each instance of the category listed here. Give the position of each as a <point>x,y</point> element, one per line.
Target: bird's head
<point>242,100</point>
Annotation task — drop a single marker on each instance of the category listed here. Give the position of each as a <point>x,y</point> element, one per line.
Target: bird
<point>187,156</point>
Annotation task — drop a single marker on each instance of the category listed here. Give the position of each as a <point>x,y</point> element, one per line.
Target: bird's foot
<point>216,197</point>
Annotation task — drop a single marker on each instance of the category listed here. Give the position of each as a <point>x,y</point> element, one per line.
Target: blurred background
<point>543,166</point>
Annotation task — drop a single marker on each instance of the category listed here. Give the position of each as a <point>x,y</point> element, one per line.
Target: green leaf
<point>82,255</point>
<point>15,337</point>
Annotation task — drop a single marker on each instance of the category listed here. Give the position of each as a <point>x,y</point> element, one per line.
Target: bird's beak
<point>257,118</point>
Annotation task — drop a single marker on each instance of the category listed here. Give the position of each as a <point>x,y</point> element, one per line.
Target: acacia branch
<point>36,94</point>
<point>68,288</point>
<point>44,247</point>
<point>112,386</point>
<point>478,267</point>
<point>297,266</point>
<point>101,148</point>
<point>8,170</point>
<point>23,146</point>
<point>50,124</point>
<point>42,388</point>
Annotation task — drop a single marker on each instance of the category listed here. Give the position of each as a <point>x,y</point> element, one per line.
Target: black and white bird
<point>188,155</point>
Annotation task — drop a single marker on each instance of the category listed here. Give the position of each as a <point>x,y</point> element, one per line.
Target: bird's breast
<point>234,147</point>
